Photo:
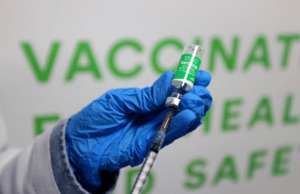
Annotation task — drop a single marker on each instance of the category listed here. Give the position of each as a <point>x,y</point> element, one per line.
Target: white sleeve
<point>43,168</point>
<point>28,170</point>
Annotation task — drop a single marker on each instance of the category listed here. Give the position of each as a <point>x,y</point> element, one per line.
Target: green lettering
<point>41,120</point>
<point>42,74</point>
<point>254,164</point>
<point>281,161</point>
<point>262,113</point>
<point>198,177</point>
<point>287,40</point>
<point>227,170</point>
<point>130,177</point>
<point>287,117</point>
<point>157,66</point>
<point>198,41</point>
<point>207,120</point>
<point>111,59</point>
<point>229,114</point>
<point>83,49</point>
<point>230,58</point>
<point>259,54</point>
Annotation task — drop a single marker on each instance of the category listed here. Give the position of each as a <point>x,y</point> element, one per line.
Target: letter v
<point>42,74</point>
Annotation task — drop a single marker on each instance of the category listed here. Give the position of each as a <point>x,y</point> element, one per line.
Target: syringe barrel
<point>144,172</point>
<point>185,75</point>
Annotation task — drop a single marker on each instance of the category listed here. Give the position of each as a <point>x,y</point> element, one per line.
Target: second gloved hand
<point>117,129</point>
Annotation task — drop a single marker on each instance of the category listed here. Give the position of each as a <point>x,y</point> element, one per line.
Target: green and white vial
<point>185,75</point>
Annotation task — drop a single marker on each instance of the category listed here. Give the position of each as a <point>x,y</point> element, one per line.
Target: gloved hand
<point>117,129</point>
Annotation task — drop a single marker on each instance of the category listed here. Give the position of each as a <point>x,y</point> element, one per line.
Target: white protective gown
<point>31,170</point>
<point>28,170</point>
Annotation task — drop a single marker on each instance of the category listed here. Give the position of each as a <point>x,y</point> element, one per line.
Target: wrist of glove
<point>117,129</point>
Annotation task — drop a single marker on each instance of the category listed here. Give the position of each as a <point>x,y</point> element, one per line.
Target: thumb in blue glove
<point>117,129</point>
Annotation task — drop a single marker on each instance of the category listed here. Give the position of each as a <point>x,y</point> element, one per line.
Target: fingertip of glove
<point>190,96</point>
<point>200,91</point>
<point>203,78</point>
<point>194,103</point>
<point>184,118</point>
<point>169,74</point>
<point>189,114</point>
<point>164,79</point>
<point>181,123</point>
<point>161,88</point>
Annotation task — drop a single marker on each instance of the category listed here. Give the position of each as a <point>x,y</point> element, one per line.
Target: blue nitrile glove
<point>117,129</point>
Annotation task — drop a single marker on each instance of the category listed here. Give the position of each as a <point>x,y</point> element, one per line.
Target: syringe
<point>182,82</point>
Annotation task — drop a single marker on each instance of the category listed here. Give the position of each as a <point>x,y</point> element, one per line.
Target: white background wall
<point>103,23</point>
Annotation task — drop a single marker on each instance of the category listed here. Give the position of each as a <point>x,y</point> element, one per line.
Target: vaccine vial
<point>185,75</point>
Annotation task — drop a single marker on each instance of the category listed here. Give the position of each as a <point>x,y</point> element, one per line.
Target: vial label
<point>183,68</point>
